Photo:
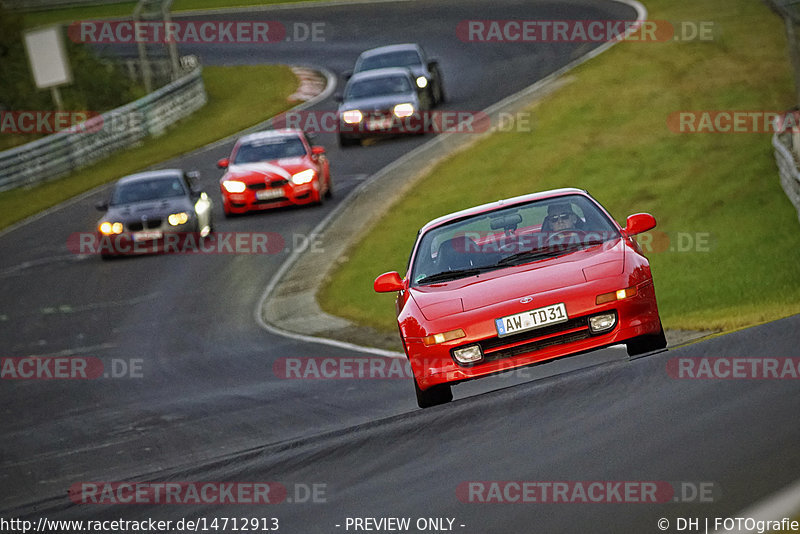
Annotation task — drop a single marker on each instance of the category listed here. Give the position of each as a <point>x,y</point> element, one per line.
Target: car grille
<point>149,224</point>
<point>272,185</point>
<point>498,348</point>
<point>535,345</point>
<point>261,202</point>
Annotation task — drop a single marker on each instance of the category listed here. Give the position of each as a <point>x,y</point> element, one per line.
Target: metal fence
<point>61,153</point>
<point>787,167</point>
<point>37,5</point>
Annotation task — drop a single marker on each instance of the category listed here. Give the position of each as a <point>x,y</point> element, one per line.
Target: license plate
<point>267,194</point>
<point>147,235</point>
<point>529,320</point>
<point>380,124</point>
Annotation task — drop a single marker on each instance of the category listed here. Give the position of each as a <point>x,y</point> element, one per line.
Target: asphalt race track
<point>204,404</point>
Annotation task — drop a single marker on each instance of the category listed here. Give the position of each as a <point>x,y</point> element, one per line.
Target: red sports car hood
<point>493,287</point>
<point>279,168</point>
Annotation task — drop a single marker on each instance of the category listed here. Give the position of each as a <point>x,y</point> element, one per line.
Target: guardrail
<point>787,167</point>
<point>39,5</point>
<point>61,153</point>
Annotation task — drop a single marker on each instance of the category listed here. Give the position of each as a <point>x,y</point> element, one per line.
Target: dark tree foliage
<point>96,85</point>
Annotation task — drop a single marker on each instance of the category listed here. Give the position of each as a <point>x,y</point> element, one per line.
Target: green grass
<point>607,132</point>
<point>238,97</point>
<point>125,9</point>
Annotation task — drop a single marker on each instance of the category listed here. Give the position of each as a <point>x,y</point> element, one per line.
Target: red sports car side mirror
<point>223,163</point>
<point>639,223</point>
<point>388,282</point>
<point>316,150</point>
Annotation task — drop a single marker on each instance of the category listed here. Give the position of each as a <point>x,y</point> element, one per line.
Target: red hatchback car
<point>272,169</point>
<point>518,282</point>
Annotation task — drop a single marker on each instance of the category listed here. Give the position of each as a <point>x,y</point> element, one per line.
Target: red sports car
<point>272,169</point>
<point>518,282</point>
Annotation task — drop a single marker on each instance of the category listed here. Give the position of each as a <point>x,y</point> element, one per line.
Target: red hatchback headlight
<point>234,186</point>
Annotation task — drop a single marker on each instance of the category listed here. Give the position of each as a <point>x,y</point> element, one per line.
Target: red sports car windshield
<point>509,236</point>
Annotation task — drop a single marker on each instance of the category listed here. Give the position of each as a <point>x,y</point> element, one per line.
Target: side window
<point>187,182</point>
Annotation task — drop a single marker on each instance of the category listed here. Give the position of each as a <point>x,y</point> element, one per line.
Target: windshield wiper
<point>550,251</point>
<point>530,255</point>
<point>452,275</point>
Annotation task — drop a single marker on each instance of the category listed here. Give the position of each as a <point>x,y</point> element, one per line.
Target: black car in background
<point>149,208</point>
<point>411,56</point>
<point>381,102</point>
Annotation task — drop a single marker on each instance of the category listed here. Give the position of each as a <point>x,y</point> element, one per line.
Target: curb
<point>785,503</point>
<point>288,305</point>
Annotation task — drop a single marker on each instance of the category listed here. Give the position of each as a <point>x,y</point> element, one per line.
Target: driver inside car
<point>560,218</point>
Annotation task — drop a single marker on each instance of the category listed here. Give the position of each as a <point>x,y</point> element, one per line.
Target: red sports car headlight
<point>435,339</point>
<point>613,296</point>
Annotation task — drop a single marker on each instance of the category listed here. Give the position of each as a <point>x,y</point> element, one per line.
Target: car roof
<point>270,134</point>
<point>389,49</point>
<point>380,73</point>
<point>491,206</point>
<point>149,175</point>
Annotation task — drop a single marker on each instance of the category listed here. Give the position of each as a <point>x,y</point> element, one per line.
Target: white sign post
<point>48,59</point>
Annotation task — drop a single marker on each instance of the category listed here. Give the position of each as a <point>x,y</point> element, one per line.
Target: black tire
<point>329,192</point>
<point>229,214</point>
<point>345,142</point>
<point>438,97</point>
<point>647,343</point>
<point>434,396</point>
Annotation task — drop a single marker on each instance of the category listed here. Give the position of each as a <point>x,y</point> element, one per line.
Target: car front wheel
<point>433,396</point>
<point>647,343</point>
<point>347,141</point>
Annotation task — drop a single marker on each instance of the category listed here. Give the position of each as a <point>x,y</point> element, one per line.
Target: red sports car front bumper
<point>435,364</point>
